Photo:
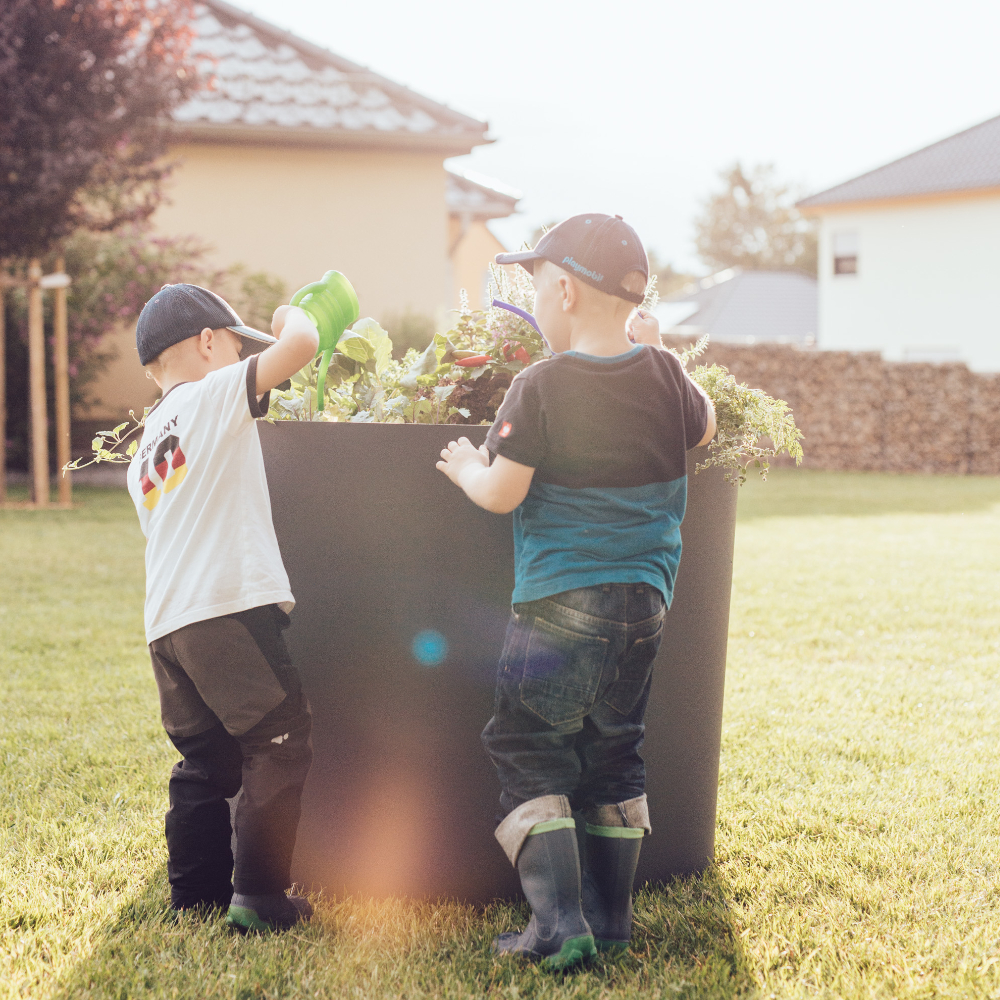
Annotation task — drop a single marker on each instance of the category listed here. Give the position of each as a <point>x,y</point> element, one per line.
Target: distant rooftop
<point>479,197</point>
<point>746,307</point>
<point>273,87</point>
<point>967,161</point>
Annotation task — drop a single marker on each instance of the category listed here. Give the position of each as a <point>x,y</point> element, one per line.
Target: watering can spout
<point>332,304</point>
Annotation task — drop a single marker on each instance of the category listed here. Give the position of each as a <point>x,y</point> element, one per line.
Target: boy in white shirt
<point>217,599</point>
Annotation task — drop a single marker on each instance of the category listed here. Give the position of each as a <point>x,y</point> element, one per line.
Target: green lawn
<point>859,826</point>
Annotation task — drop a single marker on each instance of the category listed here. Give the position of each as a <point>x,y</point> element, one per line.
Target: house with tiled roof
<point>909,255</point>
<point>734,306</point>
<point>296,160</point>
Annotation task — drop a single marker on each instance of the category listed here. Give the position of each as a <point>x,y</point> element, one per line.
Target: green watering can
<point>332,304</point>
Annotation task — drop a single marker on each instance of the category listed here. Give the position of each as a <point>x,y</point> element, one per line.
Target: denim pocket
<point>562,672</point>
<point>633,673</point>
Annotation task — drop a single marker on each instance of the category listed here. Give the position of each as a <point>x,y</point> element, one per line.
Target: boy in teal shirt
<point>590,450</point>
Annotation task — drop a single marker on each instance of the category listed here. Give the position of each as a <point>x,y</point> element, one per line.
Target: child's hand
<point>643,328</point>
<point>459,455</point>
<point>278,320</point>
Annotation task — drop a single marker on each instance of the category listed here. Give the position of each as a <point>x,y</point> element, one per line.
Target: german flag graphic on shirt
<point>169,467</point>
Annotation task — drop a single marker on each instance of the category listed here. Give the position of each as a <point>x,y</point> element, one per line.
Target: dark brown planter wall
<point>379,546</point>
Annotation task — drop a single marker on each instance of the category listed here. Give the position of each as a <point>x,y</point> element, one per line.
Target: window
<point>845,253</point>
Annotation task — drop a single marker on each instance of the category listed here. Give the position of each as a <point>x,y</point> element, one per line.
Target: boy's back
<point>607,438</point>
<point>211,548</point>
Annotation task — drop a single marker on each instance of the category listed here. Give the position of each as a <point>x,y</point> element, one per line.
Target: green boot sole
<point>574,951</point>
<point>245,920</point>
<point>612,947</point>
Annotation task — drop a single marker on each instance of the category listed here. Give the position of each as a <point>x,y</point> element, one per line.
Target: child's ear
<point>205,343</point>
<point>568,292</point>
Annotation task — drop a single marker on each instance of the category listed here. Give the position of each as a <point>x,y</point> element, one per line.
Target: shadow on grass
<point>685,944</point>
<point>811,492</point>
<point>137,951</point>
<point>687,929</point>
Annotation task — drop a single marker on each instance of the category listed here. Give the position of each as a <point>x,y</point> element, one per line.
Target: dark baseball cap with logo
<point>177,312</point>
<point>598,249</point>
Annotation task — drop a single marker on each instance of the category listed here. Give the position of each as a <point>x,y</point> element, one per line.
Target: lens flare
<point>429,648</point>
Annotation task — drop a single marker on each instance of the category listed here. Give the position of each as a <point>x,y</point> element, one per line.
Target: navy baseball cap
<point>599,249</point>
<point>177,312</point>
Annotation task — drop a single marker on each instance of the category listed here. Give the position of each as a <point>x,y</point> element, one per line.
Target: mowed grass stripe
<point>858,810</point>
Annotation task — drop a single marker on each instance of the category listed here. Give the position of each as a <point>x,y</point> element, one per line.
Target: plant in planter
<point>463,375</point>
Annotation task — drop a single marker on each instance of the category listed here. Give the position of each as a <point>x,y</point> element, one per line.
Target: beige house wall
<point>474,251</point>
<point>380,217</point>
<point>122,386</point>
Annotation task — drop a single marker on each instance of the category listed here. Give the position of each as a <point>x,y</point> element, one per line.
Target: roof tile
<point>967,161</point>
<point>267,77</point>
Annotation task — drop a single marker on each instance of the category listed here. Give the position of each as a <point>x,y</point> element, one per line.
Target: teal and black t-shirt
<point>607,438</point>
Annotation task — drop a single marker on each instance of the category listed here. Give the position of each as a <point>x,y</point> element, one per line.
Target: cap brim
<point>251,334</point>
<point>526,258</point>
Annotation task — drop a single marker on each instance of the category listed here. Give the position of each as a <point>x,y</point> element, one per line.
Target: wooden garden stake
<point>36,367</point>
<point>61,360</point>
<point>3,399</point>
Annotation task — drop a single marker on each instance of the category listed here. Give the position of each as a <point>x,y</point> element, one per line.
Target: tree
<point>114,275</point>
<point>669,281</point>
<point>754,224</point>
<point>85,88</point>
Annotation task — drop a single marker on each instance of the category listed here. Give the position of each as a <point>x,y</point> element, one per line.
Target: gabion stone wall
<point>857,411</point>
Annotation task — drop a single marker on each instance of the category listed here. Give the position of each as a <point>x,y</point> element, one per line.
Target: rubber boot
<point>273,912</point>
<point>608,874</point>
<point>549,867</point>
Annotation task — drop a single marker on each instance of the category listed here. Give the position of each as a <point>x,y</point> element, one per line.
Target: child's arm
<point>499,487</point>
<point>710,427</point>
<point>644,328</point>
<point>296,346</point>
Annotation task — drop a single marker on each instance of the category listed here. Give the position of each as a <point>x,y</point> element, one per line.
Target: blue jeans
<point>572,687</point>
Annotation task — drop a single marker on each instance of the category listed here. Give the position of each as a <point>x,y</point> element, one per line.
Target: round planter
<point>403,588</point>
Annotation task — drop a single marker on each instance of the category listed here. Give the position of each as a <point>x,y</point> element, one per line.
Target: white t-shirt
<point>199,487</point>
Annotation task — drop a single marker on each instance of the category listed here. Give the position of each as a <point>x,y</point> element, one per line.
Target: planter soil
<point>403,589</point>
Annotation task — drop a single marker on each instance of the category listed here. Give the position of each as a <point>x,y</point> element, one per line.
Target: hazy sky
<point>633,108</point>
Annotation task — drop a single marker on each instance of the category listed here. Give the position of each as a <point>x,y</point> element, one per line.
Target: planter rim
<point>360,423</point>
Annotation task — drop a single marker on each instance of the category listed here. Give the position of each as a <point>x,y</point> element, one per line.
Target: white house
<point>909,255</point>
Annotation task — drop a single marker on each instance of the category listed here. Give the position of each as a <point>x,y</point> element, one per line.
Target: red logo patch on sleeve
<point>505,429</point>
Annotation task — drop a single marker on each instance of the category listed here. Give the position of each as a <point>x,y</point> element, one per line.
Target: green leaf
<point>120,428</point>
<point>132,449</point>
<point>97,444</point>
<point>421,412</point>
<point>424,365</point>
<point>336,374</point>
<point>380,342</point>
<point>356,347</point>
<point>442,346</point>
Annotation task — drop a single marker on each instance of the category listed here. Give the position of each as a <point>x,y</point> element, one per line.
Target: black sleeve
<point>518,433</point>
<point>257,409</point>
<point>695,409</point>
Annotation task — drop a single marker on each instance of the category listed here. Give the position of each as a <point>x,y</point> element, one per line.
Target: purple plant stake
<point>526,316</point>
